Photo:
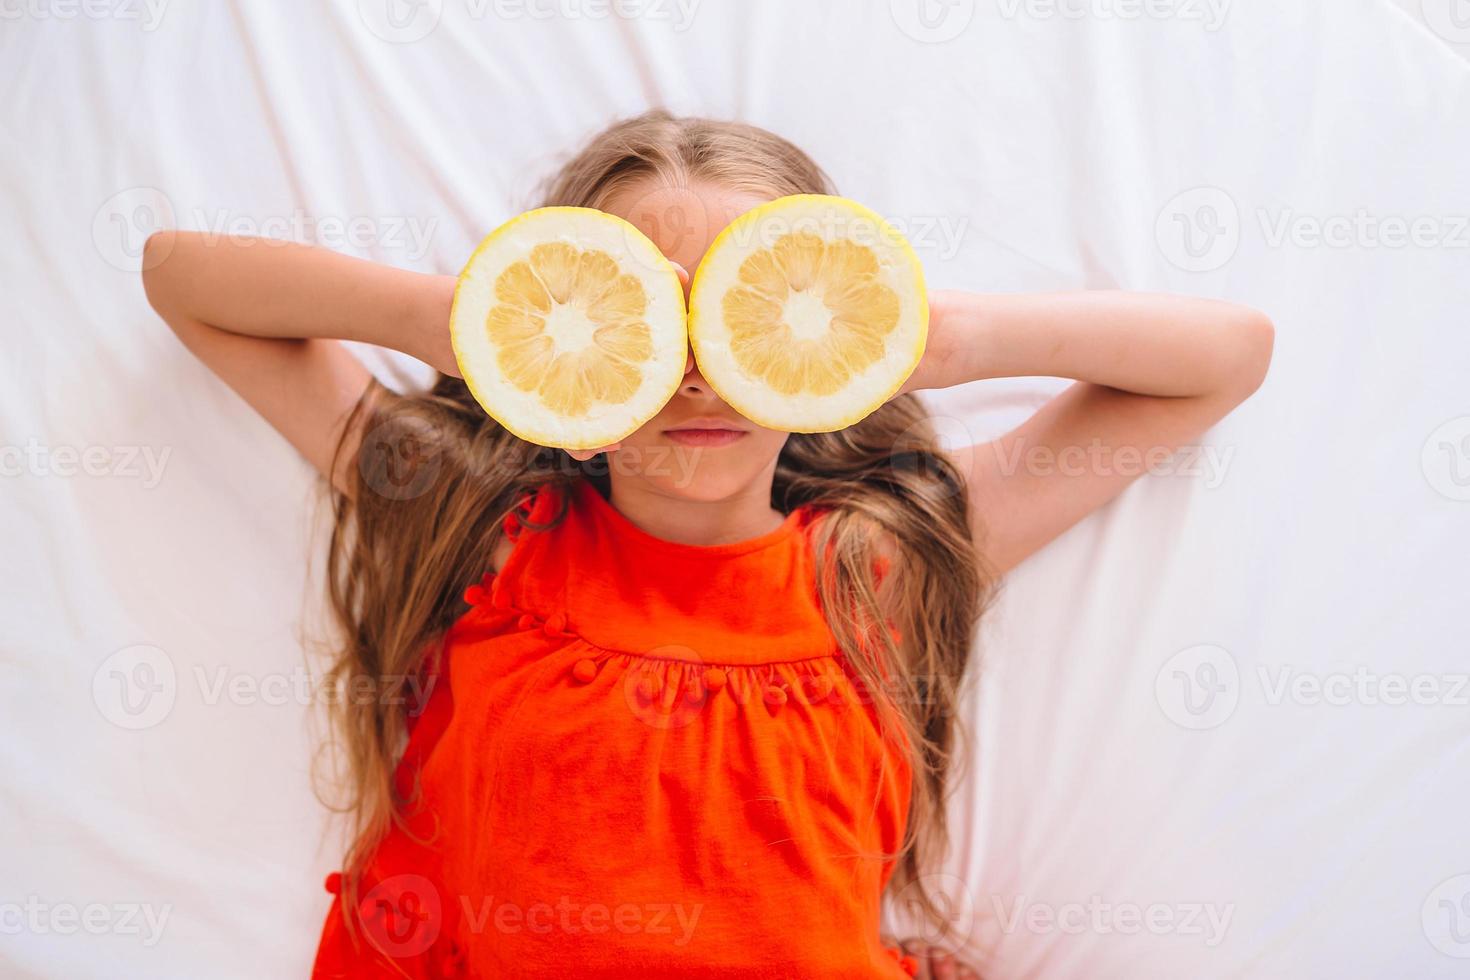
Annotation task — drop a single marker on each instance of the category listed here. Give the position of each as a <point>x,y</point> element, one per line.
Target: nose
<point>694,383</point>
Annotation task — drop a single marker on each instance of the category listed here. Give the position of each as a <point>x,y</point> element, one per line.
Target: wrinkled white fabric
<point>1156,792</point>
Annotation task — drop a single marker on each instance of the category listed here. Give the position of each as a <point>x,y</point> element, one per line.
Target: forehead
<point>682,220</point>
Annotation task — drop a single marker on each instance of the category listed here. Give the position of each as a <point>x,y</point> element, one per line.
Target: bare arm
<point>1153,372</point>
<point>266,317</point>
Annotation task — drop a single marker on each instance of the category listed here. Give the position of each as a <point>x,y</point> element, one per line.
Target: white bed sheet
<point>1321,530</point>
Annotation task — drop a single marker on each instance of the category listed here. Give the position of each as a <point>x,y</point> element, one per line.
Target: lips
<point>706,423</point>
<point>706,432</point>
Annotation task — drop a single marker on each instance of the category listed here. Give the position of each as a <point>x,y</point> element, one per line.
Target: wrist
<point>427,323</point>
<point>952,350</point>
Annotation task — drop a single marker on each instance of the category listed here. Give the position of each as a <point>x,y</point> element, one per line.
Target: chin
<point>704,475</point>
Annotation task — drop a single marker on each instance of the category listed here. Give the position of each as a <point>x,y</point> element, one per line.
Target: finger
<point>920,954</point>
<point>684,279</point>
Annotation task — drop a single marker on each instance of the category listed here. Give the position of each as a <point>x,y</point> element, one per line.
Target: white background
<point>1134,750</point>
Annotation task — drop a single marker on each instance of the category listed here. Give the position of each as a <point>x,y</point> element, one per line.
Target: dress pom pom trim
<point>656,681</point>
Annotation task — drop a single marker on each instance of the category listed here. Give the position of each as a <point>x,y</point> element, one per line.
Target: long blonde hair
<point>436,477</point>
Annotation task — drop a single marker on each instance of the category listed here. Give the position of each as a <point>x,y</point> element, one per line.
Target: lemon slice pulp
<point>568,326</point>
<point>808,313</point>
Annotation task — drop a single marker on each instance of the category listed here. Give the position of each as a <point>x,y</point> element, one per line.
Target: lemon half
<point>807,313</point>
<point>569,327</point>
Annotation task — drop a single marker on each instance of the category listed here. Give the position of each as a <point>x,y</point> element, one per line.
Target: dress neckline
<point>625,528</point>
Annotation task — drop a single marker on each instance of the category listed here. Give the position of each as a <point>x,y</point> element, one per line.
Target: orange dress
<point>639,759</point>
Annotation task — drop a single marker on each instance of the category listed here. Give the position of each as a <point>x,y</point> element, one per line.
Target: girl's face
<point>697,446</point>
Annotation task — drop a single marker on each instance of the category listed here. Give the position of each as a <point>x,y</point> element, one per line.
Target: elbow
<point>156,251</point>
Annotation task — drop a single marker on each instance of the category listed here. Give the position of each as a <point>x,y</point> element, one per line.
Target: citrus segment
<point>569,327</point>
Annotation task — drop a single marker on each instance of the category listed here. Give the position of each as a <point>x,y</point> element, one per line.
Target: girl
<point>635,718</point>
